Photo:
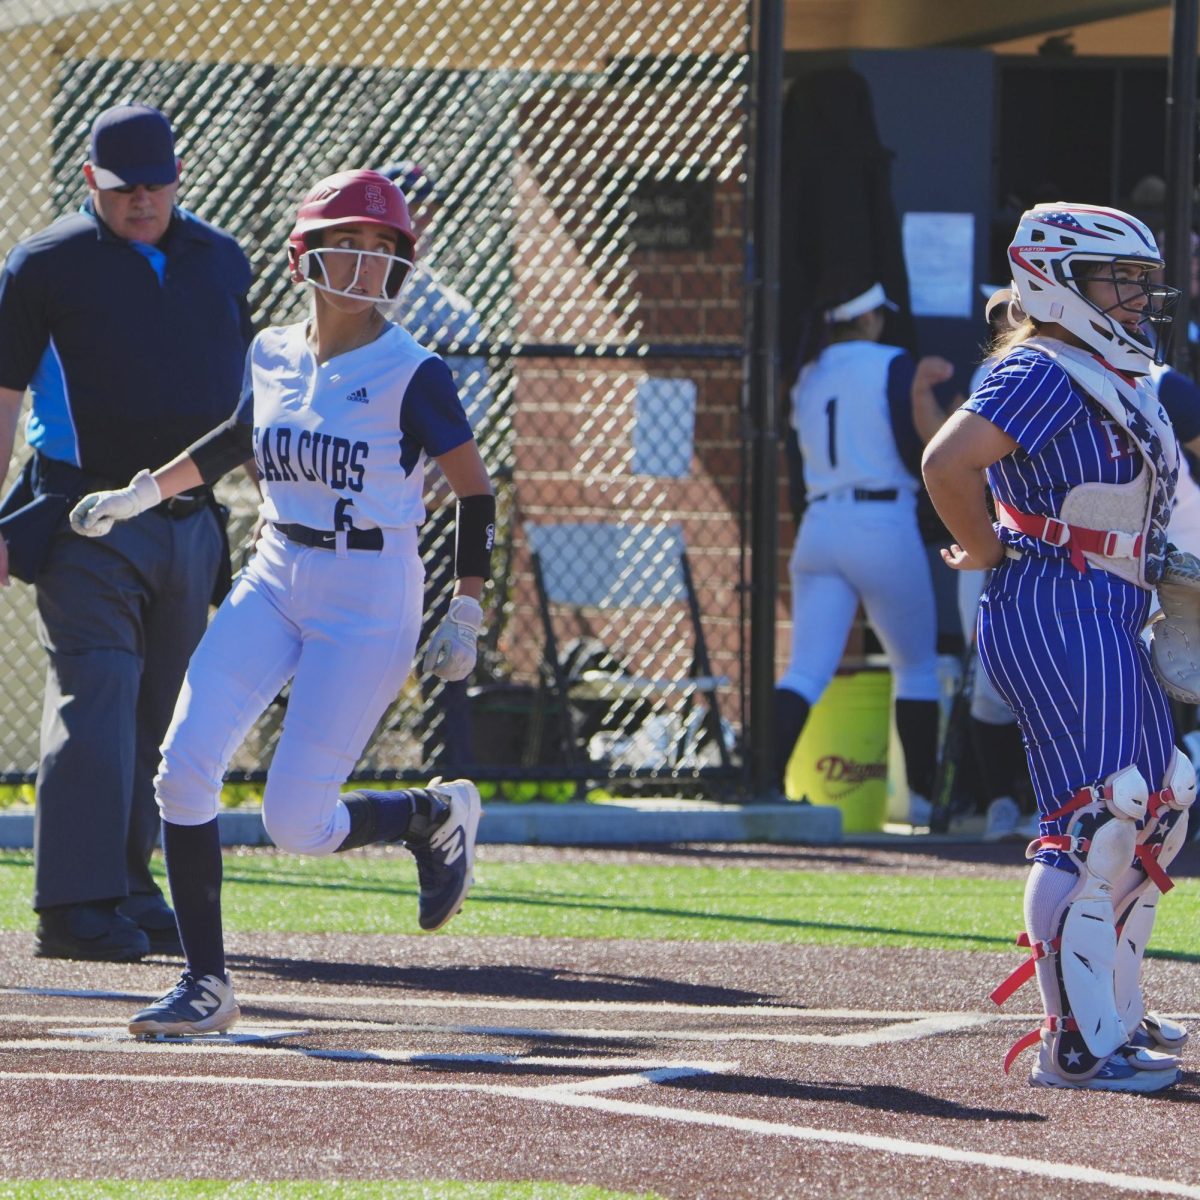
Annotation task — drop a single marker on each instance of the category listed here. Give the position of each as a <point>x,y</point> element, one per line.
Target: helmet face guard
<point>351,198</point>
<point>1152,304</point>
<point>1059,250</point>
<point>314,265</point>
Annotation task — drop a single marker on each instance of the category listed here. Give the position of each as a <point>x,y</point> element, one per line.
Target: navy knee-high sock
<point>917,729</point>
<point>194,873</point>
<point>791,713</point>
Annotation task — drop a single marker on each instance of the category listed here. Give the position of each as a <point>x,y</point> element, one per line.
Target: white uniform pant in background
<point>344,630</point>
<point>847,550</point>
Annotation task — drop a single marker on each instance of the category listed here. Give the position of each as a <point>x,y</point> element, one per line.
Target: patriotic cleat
<point>192,1006</point>
<point>1125,1070</point>
<point>446,861</point>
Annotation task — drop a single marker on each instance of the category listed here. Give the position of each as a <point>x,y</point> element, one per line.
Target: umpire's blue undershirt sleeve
<point>899,394</point>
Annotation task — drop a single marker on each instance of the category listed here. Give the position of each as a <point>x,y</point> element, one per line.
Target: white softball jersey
<point>345,442</point>
<point>842,418</point>
<point>336,443</point>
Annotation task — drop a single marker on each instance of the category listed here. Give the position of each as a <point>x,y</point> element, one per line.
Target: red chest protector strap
<point>1111,543</point>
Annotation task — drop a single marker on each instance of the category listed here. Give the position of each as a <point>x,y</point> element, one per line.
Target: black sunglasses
<point>129,188</point>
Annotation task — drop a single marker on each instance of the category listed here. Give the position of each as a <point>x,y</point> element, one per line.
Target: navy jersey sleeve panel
<point>146,365</point>
<point>23,332</point>
<point>1029,397</point>
<point>899,396</point>
<point>1181,398</point>
<point>432,415</point>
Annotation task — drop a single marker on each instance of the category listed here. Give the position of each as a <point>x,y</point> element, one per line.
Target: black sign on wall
<point>672,214</point>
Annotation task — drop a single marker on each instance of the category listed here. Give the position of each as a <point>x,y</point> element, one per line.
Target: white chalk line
<point>916,1030</point>
<point>572,1096</point>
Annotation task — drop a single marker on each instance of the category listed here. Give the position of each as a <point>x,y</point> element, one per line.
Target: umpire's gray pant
<point>119,617</point>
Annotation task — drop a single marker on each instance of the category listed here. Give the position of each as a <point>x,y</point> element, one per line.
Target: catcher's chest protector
<point>1144,505</point>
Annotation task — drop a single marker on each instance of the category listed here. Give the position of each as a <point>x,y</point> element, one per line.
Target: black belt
<point>868,494</point>
<point>326,539</point>
<point>186,503</point>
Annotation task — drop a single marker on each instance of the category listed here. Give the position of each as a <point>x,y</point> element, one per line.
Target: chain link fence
<point>582,270</point>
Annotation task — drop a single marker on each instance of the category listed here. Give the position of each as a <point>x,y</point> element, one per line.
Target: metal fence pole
<point>1180,166</point>
<point>765,244</point>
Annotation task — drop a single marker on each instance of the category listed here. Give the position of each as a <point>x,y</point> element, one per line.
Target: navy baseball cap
<point>412,179</point>
<point>132,144</point>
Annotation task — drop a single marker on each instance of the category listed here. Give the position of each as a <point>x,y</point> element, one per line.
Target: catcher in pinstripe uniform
<point>1082,461</point>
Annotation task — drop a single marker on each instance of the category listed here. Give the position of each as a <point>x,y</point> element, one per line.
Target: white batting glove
<point>451,652</point>
<point>98,512</point>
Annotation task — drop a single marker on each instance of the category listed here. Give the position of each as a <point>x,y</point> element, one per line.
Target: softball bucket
<point>842,755</point>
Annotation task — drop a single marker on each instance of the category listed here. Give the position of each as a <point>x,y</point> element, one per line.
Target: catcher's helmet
<point>1051,243</point>
<point>351,198</point>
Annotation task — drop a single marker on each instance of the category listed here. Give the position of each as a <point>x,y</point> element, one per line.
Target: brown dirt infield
<point>690,1069</point>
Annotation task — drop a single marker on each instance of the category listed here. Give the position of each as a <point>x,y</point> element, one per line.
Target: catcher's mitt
<point>1175,631</point>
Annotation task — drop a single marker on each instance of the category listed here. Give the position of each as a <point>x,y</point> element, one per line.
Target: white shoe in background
<point>1030,827</point>
<point>1003,816</point>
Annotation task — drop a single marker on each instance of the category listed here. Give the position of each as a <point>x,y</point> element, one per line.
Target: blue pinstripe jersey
<point>1061,647</point>
<point>1063,440</point>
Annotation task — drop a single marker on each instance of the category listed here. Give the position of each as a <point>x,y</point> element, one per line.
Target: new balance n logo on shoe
<point>452,847</point>
<point>205,1003</point>
<point>359,396</point>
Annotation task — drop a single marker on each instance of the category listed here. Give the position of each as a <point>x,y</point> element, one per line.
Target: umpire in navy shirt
<point>128,322</point>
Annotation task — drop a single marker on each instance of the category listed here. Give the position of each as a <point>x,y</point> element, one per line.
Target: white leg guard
<point>1102,838</point>
<point>1137,906</point>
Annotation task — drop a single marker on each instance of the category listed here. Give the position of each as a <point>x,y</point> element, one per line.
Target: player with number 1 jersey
<point>852,410</point>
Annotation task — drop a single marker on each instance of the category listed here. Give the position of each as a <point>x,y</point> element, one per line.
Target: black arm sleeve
<point>222,449</point>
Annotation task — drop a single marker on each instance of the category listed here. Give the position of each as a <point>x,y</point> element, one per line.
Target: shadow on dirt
<point>504,981</point>
<point>884,1098</point>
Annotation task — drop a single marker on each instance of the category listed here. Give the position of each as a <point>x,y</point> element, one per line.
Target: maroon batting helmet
<point>352,198</point>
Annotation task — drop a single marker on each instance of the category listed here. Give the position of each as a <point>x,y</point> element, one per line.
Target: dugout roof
<point>894,24</point>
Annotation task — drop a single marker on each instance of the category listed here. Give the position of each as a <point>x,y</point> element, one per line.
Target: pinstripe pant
<point>1064,650</point>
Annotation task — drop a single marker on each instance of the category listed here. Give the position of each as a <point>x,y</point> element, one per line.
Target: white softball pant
<point>344,630</point>
<point>848,550</point>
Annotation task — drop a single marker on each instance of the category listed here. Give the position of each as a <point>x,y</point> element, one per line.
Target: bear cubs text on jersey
<point>280,452</point>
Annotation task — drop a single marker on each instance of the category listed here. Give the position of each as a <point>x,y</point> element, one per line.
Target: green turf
<point>376,893</point>
<point>210,1189</point>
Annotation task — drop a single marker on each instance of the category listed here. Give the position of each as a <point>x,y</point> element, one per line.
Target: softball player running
<point>852,410</point>
<point>340,413</point>
<point>1082,462</point>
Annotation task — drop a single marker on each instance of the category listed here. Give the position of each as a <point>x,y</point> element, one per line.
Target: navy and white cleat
<point>192,1006</point>
<point>446,862</point>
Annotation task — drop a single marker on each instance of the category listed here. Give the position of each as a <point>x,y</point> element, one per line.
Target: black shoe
<point>153,915</point>
<point>89,933</point>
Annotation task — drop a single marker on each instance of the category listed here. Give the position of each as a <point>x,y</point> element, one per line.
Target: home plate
<point>243,1037</point>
